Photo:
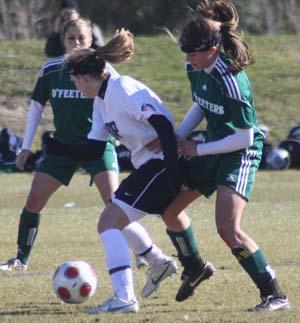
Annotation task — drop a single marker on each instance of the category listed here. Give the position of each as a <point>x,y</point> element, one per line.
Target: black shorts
<point>148,188</point>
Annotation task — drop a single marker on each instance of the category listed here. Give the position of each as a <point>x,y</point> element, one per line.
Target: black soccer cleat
<point>191,279</point>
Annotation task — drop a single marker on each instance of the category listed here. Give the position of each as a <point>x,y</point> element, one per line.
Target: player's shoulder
<point>127,84</point>
<point>52,65</point>
<point>234,84</point>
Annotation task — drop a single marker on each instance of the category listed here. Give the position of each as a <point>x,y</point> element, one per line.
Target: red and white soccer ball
<point>74,282</point>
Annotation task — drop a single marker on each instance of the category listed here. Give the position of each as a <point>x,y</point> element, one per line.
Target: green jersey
<point>72,111</point>
<point>226,99</point>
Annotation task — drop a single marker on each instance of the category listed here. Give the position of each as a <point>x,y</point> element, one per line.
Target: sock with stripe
<point>28,230</point>
<point>255,264</point>
<point>141,244</point>
<point>117,258</point>
<point>187,249</point>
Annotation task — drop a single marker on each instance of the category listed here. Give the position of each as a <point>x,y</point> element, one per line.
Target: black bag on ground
<point>293,147</point>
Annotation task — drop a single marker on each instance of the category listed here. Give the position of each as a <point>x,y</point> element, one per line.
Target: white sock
<point>140,242</point>
<point>155,256</point>
<point>117,257</point>
<point>122,282</point>
<point>137,238</point>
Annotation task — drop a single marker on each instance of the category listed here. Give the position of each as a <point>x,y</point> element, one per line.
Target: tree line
<point>25,19</point>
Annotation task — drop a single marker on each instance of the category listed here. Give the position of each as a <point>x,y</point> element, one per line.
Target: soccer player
<point>72,113</point>
<point>222,95</point>
<point>134,115</point>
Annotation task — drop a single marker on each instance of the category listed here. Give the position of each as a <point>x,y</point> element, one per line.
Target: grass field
<point>272,218</point>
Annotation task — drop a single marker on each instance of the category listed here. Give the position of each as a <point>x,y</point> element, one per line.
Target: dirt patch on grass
<point>13,115</point>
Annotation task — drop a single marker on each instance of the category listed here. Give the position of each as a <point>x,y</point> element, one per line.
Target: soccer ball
<point>74,282</point>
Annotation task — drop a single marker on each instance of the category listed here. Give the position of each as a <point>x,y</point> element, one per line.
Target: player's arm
<point>241,112</point>
<point>165,132</point>
<point>34,116</point>
<point>91,150</point>
<point>242,138</point>
<point>191,120</point>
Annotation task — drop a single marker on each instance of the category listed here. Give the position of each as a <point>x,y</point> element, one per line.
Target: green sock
<point>255,264</point>
<point>28,229</point>
<point>186,246</point>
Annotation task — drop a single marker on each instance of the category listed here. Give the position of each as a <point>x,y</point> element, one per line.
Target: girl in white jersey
<point>222,94</point>
<point>135,115</point>
<point>74,109</point>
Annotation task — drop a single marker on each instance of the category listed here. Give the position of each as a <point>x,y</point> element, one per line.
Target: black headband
<point>200,46</point>
<point>89,65</point>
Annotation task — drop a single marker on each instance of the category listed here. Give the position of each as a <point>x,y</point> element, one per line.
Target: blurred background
<point>24,19</point>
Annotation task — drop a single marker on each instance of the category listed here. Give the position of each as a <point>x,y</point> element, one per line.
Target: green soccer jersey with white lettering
<point>226,99</point>
<point>72,111</point>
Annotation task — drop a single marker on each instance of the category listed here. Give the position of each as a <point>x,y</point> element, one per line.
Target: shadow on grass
<point>30,309</point>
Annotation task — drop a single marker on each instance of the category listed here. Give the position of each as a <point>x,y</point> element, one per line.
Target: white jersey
<point>123,112</point>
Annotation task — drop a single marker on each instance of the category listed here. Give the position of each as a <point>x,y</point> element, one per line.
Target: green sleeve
<point>41,90</point>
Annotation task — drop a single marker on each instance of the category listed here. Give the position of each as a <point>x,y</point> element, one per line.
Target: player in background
<point>222,95</point>
<point>134,115</point>
<point>72,113</point>
<point>68,10</point>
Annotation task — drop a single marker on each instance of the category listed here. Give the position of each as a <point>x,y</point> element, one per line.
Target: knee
<point>228,233</point>
<point>106,199</point>
<point>168,216</point>
<point>176,222</point>
<point>33,203</point>
<point>112,217</point>
<point>101,225</point>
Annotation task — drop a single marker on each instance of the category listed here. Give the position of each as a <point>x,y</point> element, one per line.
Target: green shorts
<point>235,170</point>
<point>63,169</point>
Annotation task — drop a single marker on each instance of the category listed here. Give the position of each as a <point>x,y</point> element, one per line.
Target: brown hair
<point>92,61</point>
<point>212,23</point>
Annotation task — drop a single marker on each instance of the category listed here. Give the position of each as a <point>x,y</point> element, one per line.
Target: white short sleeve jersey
<point>123,112</point>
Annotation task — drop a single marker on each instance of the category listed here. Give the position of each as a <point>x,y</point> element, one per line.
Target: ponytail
<point>214,22</point>
<point>92,62</point>
<point>119,49</point>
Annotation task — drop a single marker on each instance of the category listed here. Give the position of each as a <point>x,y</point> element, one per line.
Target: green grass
<point>271,218</point>
<point>160,64</point>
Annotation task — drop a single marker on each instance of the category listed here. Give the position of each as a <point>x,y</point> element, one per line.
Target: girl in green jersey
<point>72,116</point>
<point>222,95</point>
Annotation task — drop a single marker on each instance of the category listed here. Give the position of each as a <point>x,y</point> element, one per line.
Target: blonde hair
<point>76,23</point>
<point>218,20</point>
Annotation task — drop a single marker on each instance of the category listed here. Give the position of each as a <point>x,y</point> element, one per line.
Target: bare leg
<point>229,210</point>
<point>43,186</point>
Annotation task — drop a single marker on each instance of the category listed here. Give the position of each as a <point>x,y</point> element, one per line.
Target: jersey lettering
<point>67,94</point>
<point>212,107</point>
<point>113,130</point>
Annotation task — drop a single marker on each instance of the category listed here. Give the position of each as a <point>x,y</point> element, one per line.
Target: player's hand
<point>154,145</point>
<point>22,158</point>
<point>187,148</point>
